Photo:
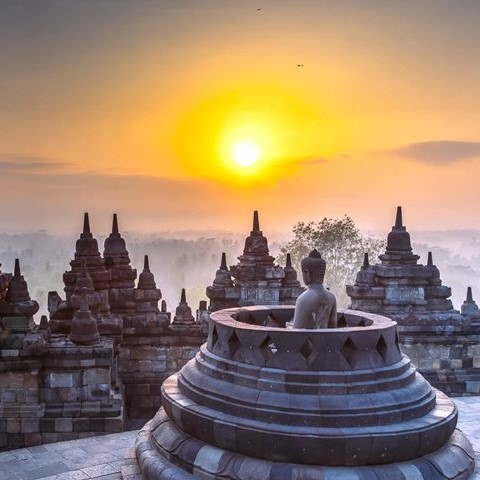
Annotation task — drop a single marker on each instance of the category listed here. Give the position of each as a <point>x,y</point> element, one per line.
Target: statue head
<point>313,267</point>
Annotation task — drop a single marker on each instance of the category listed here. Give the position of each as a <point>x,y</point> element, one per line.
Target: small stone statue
<point>316,307</point>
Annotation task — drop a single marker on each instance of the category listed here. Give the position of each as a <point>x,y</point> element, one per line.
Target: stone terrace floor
<point>111,457</point>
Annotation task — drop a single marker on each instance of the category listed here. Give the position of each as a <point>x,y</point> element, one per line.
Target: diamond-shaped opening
<point>268,347</point>
<point>233,343</point>
<point>361,323</point>
<point>243,316</point>
<point>348,351</point>
<point>341,321</point>
<point>214,336</point>
<point>307,349</point>
<point>270,321</point>
<point>281,317</point>
<point>382,347</point>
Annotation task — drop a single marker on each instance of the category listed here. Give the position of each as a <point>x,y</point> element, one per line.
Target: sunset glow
<point>140,103</point>
<point>245,154</point>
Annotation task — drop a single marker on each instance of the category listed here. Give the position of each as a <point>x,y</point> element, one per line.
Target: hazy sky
<point>135,107</point>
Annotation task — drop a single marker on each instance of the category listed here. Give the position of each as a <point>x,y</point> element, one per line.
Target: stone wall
<point>59,392</point>
<point>450,364</point>
<point>77,388</point>
<point>68,391</point>
<point>145,362</point>
<point>20,408</point>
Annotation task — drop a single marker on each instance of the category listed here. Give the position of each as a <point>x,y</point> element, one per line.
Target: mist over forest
<point>190,259</point>
<point>176,262</point>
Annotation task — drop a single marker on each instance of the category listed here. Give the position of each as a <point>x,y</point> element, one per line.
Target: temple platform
<point>111,457</point>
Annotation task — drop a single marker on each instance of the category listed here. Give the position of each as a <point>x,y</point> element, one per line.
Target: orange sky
<point>135,107</point>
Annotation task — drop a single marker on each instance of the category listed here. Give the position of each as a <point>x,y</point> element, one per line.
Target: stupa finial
<point>115,225</point>
<point>366,261</point>
<point>146,265</point>
<point>288,263</point>
<point>256,223</point>
<point>86,224</point>
<point>469,294</point>
<point>398,218</point>
<point>430,260</point>
<point>223,264</point>
<point>16,271</point>
<point>183,298</point>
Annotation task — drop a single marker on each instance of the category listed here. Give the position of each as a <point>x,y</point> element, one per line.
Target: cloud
<point>310,161</point>
<point>28,164</point>
<point>442,152</point>
<point>56,201</point>
<point>33,195</point>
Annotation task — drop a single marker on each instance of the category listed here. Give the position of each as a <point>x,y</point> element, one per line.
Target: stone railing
<point>257,336</point>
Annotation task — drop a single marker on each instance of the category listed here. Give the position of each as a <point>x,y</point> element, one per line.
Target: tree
<point>341,244</point>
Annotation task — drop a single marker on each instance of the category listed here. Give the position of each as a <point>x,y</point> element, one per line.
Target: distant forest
<point>192,263</point>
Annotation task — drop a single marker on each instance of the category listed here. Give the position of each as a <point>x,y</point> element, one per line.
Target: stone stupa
<point>265,402</point>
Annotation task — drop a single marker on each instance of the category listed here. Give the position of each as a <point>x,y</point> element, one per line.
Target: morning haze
<point>335,107</point>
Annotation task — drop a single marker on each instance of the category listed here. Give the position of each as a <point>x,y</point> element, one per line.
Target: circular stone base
<point>174,455</point>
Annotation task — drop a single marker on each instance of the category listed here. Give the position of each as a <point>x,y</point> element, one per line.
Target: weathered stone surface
<point>256,280</point>
<point>122,275</point>
<point>404,290</point>
<point>183,314</point>
<point>123,340</point>
<point>370,414</point>
<point>413,295</point>
<point>84,328</point>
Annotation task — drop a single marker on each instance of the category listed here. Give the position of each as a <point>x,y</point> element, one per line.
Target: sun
<point>246,153</point>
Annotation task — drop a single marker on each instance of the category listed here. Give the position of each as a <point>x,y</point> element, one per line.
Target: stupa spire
<point>16,271</point>
<point>256,222</point>
<point>146,265</point>
<point>469,295</point>
<point>223,264</point>
<point>115,225</point>
<point>86,224</point>
<point>288,263</point>
<point>430,260</point>
<point>398,218</point>
<point>366,261</point>
<point>183,298</point>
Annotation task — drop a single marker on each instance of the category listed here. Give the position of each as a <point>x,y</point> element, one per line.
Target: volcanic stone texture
<point>255,279</point>
<point>278,403</point>
<point>439,340</point>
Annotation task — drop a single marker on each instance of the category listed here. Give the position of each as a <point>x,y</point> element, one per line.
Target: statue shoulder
<point>330,294</point>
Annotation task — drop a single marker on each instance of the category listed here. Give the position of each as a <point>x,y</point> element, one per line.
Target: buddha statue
<point>316,307</point>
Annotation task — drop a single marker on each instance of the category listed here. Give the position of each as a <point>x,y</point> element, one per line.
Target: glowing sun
<point>246,154</point>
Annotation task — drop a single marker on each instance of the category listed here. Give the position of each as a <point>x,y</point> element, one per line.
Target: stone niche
<point>263,402</point>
